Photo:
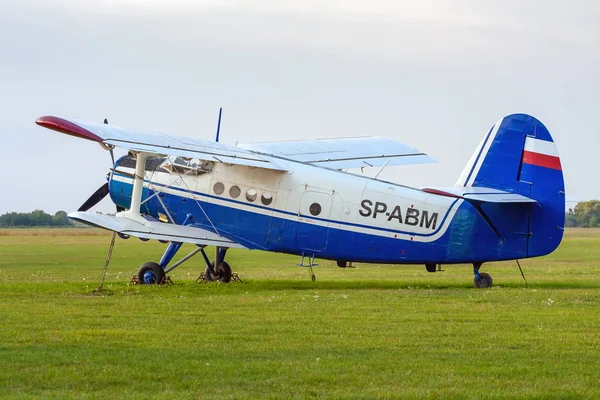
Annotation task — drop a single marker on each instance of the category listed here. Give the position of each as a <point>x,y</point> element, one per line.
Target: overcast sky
<point>434,74</point>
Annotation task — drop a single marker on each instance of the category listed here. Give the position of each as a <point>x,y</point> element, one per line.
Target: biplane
<point>298,197</point>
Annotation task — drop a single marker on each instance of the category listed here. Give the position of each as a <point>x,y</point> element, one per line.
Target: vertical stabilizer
<point>518,155</point>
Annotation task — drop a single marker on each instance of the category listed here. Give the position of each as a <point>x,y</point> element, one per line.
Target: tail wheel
<point>222,273</point>
<point>151,274</point>
<point>484,281</point>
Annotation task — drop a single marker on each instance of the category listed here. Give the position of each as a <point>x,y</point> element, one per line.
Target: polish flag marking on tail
<point>541,153</point>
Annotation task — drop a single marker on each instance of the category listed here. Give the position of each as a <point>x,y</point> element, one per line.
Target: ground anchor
<point>234,278</point>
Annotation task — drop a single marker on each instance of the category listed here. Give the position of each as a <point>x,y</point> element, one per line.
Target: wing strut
<point>382,168</point>
<point>138,185</point>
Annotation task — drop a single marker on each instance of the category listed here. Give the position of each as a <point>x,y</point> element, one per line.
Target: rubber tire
<point>485,282</point>
<point>223,273</point>
<point>431,267</point>
<point>153,267</point>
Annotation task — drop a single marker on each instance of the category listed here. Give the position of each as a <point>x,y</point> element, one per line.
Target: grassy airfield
<point>370,332</point>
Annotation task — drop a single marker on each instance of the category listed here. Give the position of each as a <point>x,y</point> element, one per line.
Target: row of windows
<point>251,195</point>
<point>235,192</point>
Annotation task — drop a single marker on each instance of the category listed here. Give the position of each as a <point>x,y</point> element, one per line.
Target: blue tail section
<point>519,156</point>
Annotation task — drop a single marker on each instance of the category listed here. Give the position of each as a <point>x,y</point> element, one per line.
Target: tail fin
<point>519,156</point>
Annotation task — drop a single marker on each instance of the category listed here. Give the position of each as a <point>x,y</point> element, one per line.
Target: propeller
<point>95,198</point>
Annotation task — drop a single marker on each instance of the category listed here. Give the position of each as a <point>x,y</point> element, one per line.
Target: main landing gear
<point>152,273</point>
<point>220,274</point>
<point>481,280</point>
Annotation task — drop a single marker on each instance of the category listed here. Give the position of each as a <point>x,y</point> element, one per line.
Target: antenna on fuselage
<point>219,124</point>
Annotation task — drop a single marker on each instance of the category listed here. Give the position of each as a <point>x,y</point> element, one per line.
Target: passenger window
<point>219,188</point>
<point>235,191</point>
<point>251,195</point>
<point>266,198</point>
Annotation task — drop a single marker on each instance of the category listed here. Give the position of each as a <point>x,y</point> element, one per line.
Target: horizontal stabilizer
<point>155,142</point>
<point>481,194</point>
<point>344,153</point>
<point>154,230</point>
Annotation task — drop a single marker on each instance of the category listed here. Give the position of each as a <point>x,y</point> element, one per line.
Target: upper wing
<point>154,142</point>
<point>481,194</point>
<point>345,152</point>
<point>154,230</point>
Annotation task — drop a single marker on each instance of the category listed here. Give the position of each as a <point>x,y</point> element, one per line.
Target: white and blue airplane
<point>294,197</point>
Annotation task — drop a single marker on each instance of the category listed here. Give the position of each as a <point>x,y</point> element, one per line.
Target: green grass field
<point>371,332</point>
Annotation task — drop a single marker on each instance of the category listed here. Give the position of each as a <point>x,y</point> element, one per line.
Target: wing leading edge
<point>155,142</point>
<point>343,153</point>
<point>330,153</point>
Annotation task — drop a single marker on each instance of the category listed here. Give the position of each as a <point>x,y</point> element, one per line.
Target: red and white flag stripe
<point>541,153</point>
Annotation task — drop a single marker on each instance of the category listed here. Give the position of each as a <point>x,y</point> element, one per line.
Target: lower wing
<point>154,230</point>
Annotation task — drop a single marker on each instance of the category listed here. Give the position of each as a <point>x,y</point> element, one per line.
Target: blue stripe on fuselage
<point>274,233</point>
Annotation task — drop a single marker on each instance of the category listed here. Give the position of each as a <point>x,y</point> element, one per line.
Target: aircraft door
<point>313,221</point>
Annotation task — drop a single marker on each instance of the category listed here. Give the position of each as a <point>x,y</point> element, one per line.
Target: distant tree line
<point>34,218</point>
<point>586,214</point>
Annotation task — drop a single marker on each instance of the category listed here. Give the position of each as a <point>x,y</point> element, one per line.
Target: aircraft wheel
<point>150,274</point>
<point>223,273</point>
<point>484,282</point>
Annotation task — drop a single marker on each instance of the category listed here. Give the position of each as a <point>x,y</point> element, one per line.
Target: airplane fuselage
<point>319,212</point>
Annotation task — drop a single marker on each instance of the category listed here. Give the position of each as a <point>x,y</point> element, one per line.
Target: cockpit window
<point>187,166</point>
<point>152,163</point>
